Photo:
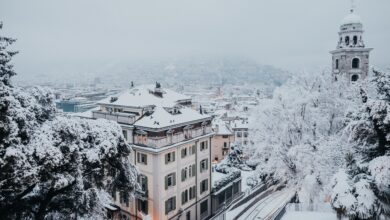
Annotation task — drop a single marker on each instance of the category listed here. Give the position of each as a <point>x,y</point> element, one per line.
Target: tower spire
<point>353,6</point>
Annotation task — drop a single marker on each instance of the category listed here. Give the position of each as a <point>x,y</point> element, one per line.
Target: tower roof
<point>351,18</point>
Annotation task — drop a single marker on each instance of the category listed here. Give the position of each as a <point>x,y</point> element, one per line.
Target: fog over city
<point>60,37</point>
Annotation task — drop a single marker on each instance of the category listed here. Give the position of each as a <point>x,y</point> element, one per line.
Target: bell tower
<point>350,60</point>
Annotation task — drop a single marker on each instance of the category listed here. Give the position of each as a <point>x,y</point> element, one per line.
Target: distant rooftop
<point>146,95</point>
<point>164,117</point>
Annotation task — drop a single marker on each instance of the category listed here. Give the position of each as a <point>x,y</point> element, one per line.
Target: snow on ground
<point>268,206</point>
<point>309,216</point>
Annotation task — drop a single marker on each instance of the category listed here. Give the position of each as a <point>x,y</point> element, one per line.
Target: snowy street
<point>267,207</point>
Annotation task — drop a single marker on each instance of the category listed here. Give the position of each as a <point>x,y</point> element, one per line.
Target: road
<point>265,208</point>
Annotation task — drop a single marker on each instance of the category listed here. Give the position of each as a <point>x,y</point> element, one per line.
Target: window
<point>225,136</point>
<point>225,145</point>
<point>203,145</point>
<point>355,39</point>
<point>184,197</point>
<point>203,207</point>
<point>142,158</point>
<point>124,198</point>
<point>347,40</point>
<point>183,152</point>
<point>221,198</point>
<point>192,192</point>
<point>170,180</point>
<point>170,204</point>
<point>143,206</point>
<point>355,63</point>
<point>192,170</point>
<point>184,174</point>
<point>124,134</point>
<point>337,64</point>
<point>235,188</point>
<point>169,157</point>
<point>228,193</point>
<point>188,215</point>
<point>239,134</point>
<point>354,78</point>
<point>245,134</point>
<point>143,182</point>
<point>204,186</point>
<point>204,165</point>
<point>192,150</point>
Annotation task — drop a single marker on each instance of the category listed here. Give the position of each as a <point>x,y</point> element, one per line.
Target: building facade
<point>171,148</point>
<point>350,60</point>
<point>221,142</point>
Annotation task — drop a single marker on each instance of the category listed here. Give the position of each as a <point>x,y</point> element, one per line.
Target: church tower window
<point>355,40</point>
<point>355,63</point>
<point>347,40</point>
<point>337,64</point>
<point>354,78</point>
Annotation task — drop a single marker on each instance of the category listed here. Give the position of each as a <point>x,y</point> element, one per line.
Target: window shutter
<point>173,156</point>
<point>206,184</point>
<point>166,158</point>
<point>194,170</point>
<point>182,175</point>
<point>146,159</point>
<point>174,203</point>
<point>182,198</point>
<point>138,159</point>
<point>182,153</point>
<point>166,206</point>
<point>193,149</point>
<point>174,179</point>
<point>166,182</point>
<point>207,164</point>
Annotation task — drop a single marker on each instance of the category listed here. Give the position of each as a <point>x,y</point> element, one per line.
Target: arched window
<point>355,63</point>
<point>337,64</point>
<point>354,78</point>
<point>347,40</point>
<point>355,40</point>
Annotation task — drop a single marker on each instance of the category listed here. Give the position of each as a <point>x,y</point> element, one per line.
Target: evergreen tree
<point>367,175</point>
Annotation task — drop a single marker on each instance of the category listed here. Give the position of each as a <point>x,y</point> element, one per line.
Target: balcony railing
<point>120,117</point>
<point>175,138</point>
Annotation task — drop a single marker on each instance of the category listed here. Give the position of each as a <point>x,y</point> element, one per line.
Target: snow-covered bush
<point>54,167</point>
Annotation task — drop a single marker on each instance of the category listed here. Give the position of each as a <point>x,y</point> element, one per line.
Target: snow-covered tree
<point>51,166</point>
<point>368,166</point>
<point>297,133</point>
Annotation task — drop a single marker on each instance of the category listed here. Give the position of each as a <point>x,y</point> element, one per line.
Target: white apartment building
<point>171,148</point>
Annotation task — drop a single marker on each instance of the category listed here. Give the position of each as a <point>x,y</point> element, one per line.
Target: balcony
<point>157,142</point>
<point>120,117</point>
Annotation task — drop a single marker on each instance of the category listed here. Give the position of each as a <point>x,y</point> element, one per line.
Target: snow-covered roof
<point>351,18</point>
<point>161,118</point>
<point>143,96</point>
<point>240,124</point>
<point>222,128</point>
<point>86,114</point>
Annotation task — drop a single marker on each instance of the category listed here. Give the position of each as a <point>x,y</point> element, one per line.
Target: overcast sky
<point>82,35</point>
